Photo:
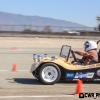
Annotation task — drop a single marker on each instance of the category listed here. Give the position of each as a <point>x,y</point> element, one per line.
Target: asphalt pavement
<point>22,85</point>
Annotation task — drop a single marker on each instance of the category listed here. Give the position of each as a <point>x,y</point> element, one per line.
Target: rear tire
<point>49,73</point>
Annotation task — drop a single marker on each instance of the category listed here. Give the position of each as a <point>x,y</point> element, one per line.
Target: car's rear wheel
<point>49,73</point>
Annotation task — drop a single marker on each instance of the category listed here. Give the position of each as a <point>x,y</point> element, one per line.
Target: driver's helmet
<point>89,45</point>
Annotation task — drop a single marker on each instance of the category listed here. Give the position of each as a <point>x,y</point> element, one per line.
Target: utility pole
<point>98,19</point>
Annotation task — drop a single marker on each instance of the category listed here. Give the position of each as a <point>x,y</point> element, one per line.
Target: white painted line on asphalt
<point>12,71</point>
<point>42,96</point>
<point>23,70</point>
<point>4,70</point>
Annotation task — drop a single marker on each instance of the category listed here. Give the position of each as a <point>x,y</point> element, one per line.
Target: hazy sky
<point>79,11</point>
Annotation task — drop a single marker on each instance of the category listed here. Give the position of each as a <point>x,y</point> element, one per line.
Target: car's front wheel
<point>49,73</point>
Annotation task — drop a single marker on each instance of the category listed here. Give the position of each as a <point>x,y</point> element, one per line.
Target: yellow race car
<point>50,70</point>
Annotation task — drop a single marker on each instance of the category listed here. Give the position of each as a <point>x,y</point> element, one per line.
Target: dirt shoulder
<point>40,42</point>
<point>46,36</point>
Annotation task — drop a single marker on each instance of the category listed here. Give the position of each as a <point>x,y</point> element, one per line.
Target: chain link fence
<point>43,28</point>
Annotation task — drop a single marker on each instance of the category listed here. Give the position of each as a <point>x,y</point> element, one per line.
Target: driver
<point>90,56</point>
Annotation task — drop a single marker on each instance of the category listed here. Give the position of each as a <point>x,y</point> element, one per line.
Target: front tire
<point>49,73</point>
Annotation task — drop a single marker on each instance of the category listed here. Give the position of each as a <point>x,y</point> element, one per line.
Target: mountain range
<point>10,21</point>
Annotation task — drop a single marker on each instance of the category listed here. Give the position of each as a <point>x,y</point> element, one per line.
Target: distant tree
<point>65,32</point>
<point>29,31</point>
<point>47,29</point>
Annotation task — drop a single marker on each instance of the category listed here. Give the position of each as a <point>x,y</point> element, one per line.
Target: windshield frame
<point>64,56</point>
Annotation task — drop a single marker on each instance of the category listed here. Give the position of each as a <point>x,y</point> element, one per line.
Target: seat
<point>94,62</point>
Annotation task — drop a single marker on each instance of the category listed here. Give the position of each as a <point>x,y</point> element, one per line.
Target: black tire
<point>57,69</point>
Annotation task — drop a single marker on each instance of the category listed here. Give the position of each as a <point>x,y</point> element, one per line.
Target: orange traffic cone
<point>60,48</point>
<point>18,48</point>
<point>13,48</point>
<point>14,68</point>
<point>79,88</point>
<point>35,47</point>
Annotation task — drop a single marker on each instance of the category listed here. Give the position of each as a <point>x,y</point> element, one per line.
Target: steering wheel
<point>74,56</point>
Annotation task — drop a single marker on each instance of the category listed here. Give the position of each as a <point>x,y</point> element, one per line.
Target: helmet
<point>90,45</point>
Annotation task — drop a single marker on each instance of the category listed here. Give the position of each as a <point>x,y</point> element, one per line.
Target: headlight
<point>40,58</point>
<point>45,55</point>
<point>53,57</point>
<point>35,57</point>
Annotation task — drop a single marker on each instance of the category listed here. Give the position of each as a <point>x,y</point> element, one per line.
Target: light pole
<point>98,19</point>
